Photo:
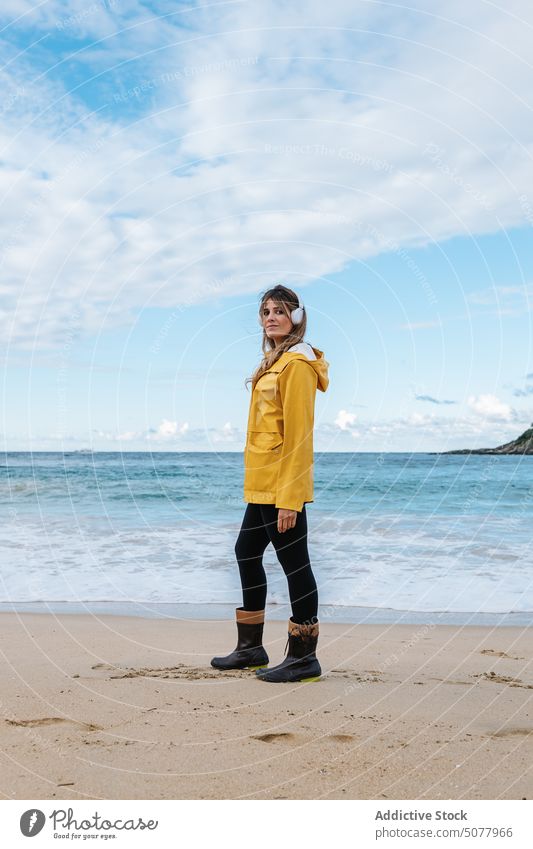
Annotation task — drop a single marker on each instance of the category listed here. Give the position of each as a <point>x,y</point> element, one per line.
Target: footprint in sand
<point>341,738</point>
<point>511,732</point>
<point>503,679</point>
<point>286,737</point>
<point>495,653</point>
<point>202,673</point>
<point>191,673</point>
<point>52,720</point>
<point>357,676</point>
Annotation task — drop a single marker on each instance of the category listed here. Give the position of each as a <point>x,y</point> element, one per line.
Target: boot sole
<point>228,668</point>
<point>300,681</point>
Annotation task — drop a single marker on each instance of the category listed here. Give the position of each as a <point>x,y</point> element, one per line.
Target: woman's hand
<point>286,519</point>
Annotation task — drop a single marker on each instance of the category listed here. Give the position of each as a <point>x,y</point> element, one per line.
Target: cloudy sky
<point>163,163</point>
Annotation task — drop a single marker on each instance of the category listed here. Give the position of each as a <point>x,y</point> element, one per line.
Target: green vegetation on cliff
<point>522,445</point>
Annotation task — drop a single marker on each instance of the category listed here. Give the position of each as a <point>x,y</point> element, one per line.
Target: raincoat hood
<point>320,365</point>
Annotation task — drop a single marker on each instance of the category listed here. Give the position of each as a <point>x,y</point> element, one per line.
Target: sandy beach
<point>124,707</point>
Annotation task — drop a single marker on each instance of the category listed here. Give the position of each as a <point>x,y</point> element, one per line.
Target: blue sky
<point>162,164</point>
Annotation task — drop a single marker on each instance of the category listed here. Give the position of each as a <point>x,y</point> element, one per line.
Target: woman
<point>278,482</point>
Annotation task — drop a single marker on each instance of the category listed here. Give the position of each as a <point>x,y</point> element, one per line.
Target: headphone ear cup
<point>297,315</point>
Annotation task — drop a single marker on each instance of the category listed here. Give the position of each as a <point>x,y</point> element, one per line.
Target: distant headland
<point>522,445</point>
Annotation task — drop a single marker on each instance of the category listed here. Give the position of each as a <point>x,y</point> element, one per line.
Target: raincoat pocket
<point>262,440</point>
<point>263,452</point>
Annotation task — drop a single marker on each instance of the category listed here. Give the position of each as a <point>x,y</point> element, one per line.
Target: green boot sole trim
<point>263,666</point>
<point>303,680</point>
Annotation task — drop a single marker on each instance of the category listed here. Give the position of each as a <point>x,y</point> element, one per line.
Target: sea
<point>393,537</point>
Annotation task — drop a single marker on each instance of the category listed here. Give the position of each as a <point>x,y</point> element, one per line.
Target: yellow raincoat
<point>278,456</point>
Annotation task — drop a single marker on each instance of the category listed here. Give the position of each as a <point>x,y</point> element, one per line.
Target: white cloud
<point>424,432</point>
<point>128,436</point>
<point>490,407</point>
<point>167,431</point>
<point>227,434</point>
<point>345,420</point>
<point>506,300</point>
<point>248,156</point>
<point>414,432</point>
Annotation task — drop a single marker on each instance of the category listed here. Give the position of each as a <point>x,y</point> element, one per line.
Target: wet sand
<point>118,707</point>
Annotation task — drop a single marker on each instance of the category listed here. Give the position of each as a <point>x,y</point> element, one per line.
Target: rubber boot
<point>249,652</point>
<point>301,662</point>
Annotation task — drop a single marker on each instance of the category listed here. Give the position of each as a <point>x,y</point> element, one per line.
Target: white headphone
<point>297,315</point>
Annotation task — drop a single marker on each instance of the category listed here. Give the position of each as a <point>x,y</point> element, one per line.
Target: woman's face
<point>276,323</point>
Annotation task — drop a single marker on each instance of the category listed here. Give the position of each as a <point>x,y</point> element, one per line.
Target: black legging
<point>259,527</point>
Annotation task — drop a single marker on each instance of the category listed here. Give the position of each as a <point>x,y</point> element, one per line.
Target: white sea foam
<point>390,562</point>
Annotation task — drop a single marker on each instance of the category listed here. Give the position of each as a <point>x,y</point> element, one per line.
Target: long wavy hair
<point>271,354</point>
